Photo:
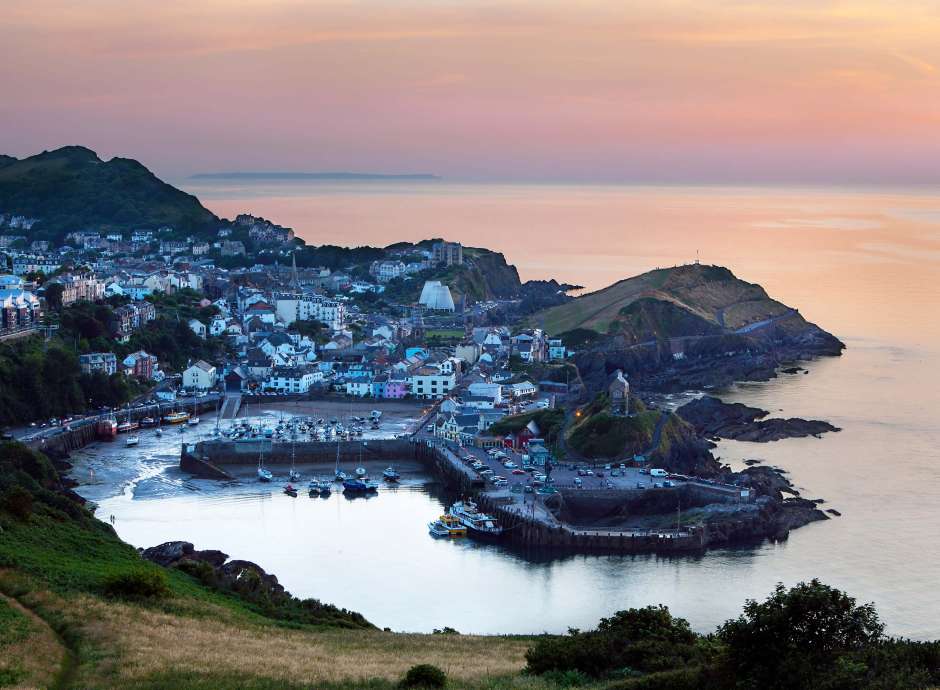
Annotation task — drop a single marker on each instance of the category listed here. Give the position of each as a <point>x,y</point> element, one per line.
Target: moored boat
<point>148,422</point>
<point>132,441</point>
<point>290,490</point>
<point>125,427</point>
<point>390,475</point>
<point>264,475</point>
<point>479,525</point>
<point>358,486</point>
<point>447,526</point>
<point>175,417</point>
<point>106,429</point>
<point>361,472</point>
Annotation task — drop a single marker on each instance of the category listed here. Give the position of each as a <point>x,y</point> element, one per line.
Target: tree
<point>54,295</point>
<point>649,639</point>
<point>797,636</point>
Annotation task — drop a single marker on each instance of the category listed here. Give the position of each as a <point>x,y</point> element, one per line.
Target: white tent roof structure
<point>436,296</point>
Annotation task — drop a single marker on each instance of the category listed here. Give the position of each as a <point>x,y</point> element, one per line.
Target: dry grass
<point>36,656</point>
<point>142,642</point>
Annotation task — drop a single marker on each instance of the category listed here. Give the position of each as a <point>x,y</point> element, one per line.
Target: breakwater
<point>539,530</point>
<point>211,458</point>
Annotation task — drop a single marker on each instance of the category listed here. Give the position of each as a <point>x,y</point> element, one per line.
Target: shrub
<point>18,502</point>
<point>424,676</point>
<point>799,636</point>
<point>137,584</point>
<point>645,640</point>
<point>567,679</point>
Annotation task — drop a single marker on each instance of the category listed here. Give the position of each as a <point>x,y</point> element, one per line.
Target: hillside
<point>80,608</point>
<point>71,188</point>
<point>668,302</point>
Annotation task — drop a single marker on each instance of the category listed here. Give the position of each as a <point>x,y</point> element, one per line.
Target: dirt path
<point>46,659</point>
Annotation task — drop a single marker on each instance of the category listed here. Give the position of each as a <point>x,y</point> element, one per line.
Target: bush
<point>424,676</point>
<point>799,636</point>
<point>645,640</point>
<point>567,679</point>
<point>137,584</point>
<point>18,502</point>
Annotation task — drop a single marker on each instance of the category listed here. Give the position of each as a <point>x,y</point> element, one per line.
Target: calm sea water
<point>864,264</point>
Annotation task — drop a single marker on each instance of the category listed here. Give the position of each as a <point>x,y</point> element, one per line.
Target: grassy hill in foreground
<point>72,189</point>
<point>667,302</point>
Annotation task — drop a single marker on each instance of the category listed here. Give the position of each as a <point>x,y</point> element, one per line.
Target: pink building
<point>396,389</point>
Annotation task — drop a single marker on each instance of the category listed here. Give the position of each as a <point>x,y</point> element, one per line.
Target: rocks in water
<point>715,418</point>
<point>751,462</point>
<point>833,511</point>
<point>793,370</point>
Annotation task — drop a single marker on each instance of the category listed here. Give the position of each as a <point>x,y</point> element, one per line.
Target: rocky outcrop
<point>228,573</point>
<point>717,419</point>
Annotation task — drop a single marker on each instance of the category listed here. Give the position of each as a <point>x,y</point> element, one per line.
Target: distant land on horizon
<point>310,176</point>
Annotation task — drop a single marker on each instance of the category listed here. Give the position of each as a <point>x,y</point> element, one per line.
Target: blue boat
<point>358,486</point>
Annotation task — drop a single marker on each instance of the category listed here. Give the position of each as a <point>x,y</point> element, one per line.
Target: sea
<point>863,263</point>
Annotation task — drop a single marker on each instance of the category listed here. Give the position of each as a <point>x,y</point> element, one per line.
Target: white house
<point>293,379</point>
<point>431,383</point>
<point>198,327</point>
<point>200,376</point>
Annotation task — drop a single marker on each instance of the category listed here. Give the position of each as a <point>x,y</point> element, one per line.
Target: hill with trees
<point>71,188</point>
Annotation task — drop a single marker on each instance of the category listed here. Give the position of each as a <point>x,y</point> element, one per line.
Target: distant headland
<point>326,176</point>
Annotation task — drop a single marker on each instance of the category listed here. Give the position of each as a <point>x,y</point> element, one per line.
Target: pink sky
<point>673,90</point>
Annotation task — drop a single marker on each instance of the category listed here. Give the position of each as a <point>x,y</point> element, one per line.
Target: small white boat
<point>132,441</point>
<point>193,421</point>
<point>361,472</point>
<point>264,475</point>
<point>293,476</point>
<point>159,432</point>
<point>390,475</point>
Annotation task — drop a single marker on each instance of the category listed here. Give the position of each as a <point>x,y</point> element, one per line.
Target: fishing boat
<point>290,491</point>
<point>175,417</point>
<point>358,486</point>
<point>132,441</point>
<point>106,429</point>
<point>125,427</point>
<point>390,475</point>
<point>447,526</point>
<point>479,525</point>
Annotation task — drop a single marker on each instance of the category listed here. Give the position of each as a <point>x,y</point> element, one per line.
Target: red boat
<point>106,429</point>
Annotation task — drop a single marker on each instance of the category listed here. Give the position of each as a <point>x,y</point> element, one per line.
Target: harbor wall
<point>538,533</point>
<point>225,452</point>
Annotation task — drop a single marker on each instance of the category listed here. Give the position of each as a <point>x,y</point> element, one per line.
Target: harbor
<point>525,506</point>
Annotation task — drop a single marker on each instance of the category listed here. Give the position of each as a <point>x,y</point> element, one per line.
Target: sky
<point>598,90</point>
